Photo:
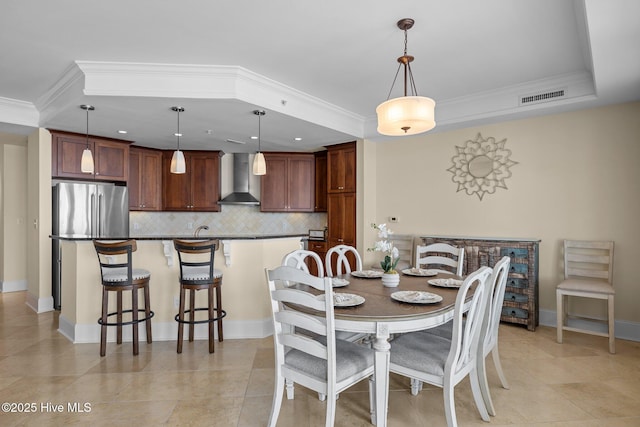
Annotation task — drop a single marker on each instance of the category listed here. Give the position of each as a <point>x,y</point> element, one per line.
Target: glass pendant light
<point>178,164</point>
<point>259,164</point>
<point>86,163</point>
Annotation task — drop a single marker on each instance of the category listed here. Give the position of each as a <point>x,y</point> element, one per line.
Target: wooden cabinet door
<point>301,184</point>
<point>320,204</point>
<point>145,179</point>
<point>273,185</point>
<point>341,165</point>
<point>341,214</point>
<point>319,247</point>
<point>204,170</point>
<point>111,160</point>
<point>176,194</point>
<point>110,157</point>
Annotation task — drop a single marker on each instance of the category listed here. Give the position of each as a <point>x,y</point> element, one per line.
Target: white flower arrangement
<point>384,245</point>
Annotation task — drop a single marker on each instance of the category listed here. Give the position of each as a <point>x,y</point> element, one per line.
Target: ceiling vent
<point>539,98</point>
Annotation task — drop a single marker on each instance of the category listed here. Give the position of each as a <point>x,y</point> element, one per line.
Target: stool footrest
<point>131,322</point>
<point>193,322</point>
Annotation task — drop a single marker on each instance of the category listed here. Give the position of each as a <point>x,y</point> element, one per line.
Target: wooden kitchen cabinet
<point>320,248</point>
<point>288,185</point>
<point>145,179</point>
<point>110,157</point>
<point>521,295</point>
<point>320,204</point>
<point>341,165</point>
<point>196,190</point>
<point>341,218</point>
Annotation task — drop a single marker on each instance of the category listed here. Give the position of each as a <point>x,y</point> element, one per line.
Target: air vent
<point>543,97</point>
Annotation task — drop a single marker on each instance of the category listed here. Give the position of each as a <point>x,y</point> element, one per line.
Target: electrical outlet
<point>190,225</point>
<point>176,302</point>
<point>394,219</point>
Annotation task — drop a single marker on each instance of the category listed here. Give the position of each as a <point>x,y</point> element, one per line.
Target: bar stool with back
<point>197,273</point>
<point>118,277</point>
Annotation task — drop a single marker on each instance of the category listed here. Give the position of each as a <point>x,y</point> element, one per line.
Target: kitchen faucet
<point>199,229</point>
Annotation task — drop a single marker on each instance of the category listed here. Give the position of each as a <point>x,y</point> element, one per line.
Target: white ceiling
<point>318,69</point>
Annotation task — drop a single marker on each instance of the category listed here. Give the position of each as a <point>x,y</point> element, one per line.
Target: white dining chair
<point>489,333</point>
<point>588,273</point>
<point>342,254</point>
<point>438,255</point>
<point>445,362</point>
<point>328,365</point>
<point>298,259</point>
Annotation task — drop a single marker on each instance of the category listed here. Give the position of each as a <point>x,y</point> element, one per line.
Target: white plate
<point>368,274</point>
<point>344,300</point>
<point>420,272</point>
<point>338,283</point>
<point>445,283</point>
<point>416,297</point>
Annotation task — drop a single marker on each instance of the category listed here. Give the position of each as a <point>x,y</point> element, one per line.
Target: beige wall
<point>13,211</point>
<point>577,177</point>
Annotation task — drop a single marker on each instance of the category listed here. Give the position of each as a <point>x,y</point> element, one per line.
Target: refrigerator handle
<point>92,213</point>
<point>100,225</point>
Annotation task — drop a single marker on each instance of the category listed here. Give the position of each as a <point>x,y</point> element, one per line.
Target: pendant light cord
<point>178,133</point>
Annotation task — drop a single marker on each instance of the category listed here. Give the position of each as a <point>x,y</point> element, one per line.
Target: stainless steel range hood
<point>240,195</point>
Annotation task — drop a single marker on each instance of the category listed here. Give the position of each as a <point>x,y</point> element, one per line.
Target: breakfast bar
<point>241,259</point>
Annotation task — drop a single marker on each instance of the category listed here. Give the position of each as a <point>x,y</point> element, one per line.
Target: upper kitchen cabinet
<point>145,179</point>
<point>341,164</point>
<point>321,182</point>
<point>289,183</point>
<point>110,157</point>
<point>196,190</point>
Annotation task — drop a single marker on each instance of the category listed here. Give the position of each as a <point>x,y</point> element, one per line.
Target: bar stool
<point>118,277</point>
<point>197,273</point>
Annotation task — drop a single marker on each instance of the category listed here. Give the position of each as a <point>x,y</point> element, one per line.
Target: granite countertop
<point>185,237</point>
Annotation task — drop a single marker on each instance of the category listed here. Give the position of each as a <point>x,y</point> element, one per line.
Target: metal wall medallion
<point>481,166</point>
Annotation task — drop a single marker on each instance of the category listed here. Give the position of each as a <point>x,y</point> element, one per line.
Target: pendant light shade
<point>259,164</point>
<point>178,164</point>
<point>86,162</point>
<point>408,114</point>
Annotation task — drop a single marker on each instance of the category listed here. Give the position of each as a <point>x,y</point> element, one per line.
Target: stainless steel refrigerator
<point>86,210</point>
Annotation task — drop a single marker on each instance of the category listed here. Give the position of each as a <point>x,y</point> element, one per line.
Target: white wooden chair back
<point>434,256</point>
<point>342,262</point>
<point>498,284</point>
<point>588,258</point>
<point>298,259</point>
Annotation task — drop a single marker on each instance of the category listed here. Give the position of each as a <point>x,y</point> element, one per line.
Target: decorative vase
<point>390,280</point>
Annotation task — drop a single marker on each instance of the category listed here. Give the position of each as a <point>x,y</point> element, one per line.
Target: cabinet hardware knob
<point>513,312</point>
<point>513,254</point>
<point>513,297</point>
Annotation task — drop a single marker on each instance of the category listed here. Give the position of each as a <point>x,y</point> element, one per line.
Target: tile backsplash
<point>231,220</point>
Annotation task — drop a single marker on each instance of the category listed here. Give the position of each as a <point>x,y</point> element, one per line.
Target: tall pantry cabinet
<point>341,195</point>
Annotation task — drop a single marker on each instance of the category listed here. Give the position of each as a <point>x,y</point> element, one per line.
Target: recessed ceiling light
<point>122,131</point>
<point>297,138</point>
<point>177,134</point>
<point>254,137</point>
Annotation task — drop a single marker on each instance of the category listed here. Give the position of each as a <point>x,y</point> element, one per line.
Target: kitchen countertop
<point>185,237</point>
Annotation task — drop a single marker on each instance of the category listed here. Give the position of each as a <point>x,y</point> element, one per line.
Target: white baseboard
<point>623,329</point>
<point>39,305</point>
<point>165,331</point>
<point>13,286</point>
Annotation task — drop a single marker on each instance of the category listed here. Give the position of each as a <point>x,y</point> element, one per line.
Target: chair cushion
<point>199,273</point>
<point>114,275</point>
<point>421,351</point>
<point>599,286</point>
<point>351,358</point>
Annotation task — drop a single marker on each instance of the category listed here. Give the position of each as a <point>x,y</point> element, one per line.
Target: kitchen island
<point>241,258</point>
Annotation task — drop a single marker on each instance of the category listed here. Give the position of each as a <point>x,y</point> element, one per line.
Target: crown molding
<point>16,112</point>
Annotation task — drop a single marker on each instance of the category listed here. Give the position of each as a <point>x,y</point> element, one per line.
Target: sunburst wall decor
<point>481,166</point>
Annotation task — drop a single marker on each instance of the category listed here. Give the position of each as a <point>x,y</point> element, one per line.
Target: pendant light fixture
<point>178,164</point>
<point>86,163</point>
<point>259,164</point>
<point>408,114</point>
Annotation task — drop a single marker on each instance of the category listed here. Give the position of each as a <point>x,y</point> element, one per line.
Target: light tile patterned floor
<point>575,384</point>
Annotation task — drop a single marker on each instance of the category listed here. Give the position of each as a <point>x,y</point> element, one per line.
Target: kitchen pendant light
<point>86,162</point>
<point>178,164</point>
<point>406,115</point>
<point>259,164</point>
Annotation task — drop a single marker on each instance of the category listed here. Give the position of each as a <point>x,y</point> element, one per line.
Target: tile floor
<point>577,384</point>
